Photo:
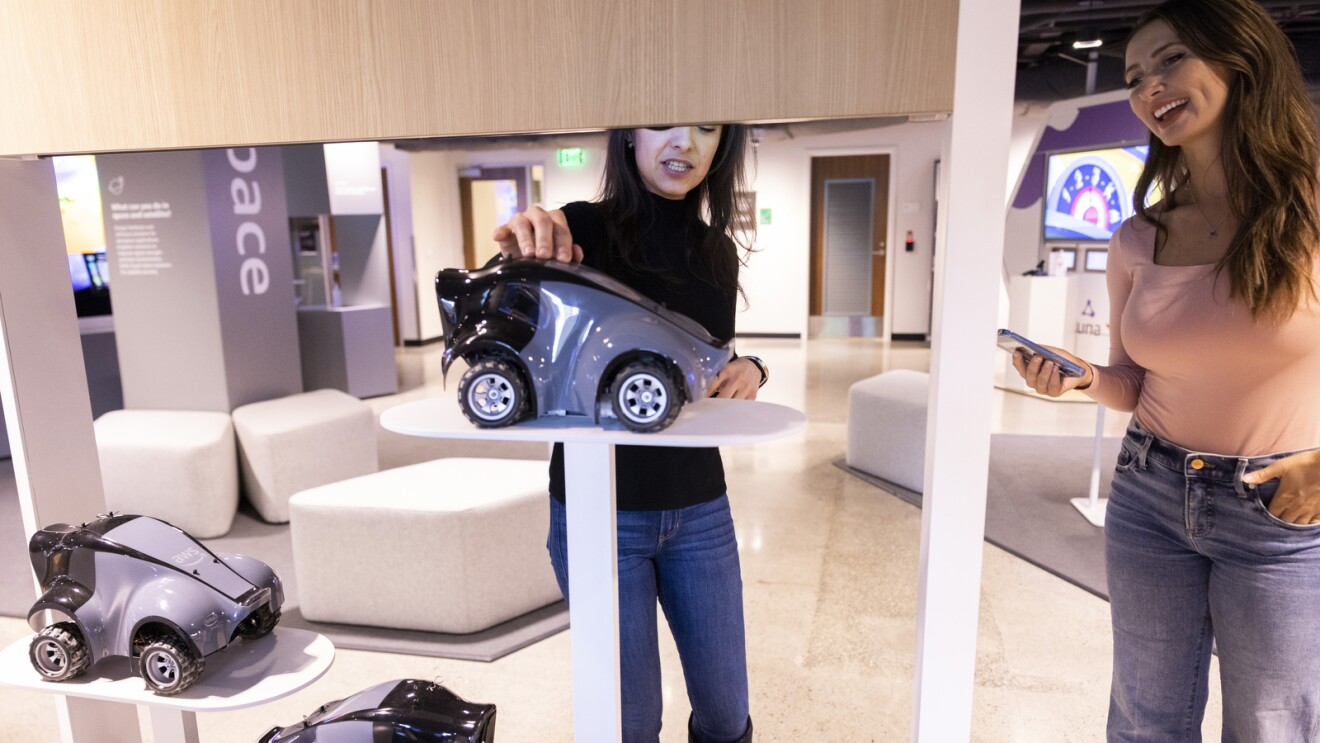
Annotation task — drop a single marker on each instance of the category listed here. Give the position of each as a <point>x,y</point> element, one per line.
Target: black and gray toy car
<point>394,712</point>
<point>135,586</point>
<point>558,339</point>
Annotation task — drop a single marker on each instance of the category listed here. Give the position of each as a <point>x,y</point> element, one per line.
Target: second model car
<point>394,712</point>
<point>557,339</point>
<point>139,587</point>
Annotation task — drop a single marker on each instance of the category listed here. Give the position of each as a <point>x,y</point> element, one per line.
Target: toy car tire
<point>645,397</point>
<point>168,666</point>
<point>259,623</point>
<point>59,653</point>
<point>492,394</point>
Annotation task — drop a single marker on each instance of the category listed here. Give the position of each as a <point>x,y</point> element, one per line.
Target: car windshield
<point>175,548</point>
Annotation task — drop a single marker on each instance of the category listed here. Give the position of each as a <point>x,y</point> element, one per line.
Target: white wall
<point>398,174</point>
<point>777,278</point>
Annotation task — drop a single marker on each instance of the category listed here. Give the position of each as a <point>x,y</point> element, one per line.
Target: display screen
<point>1089,194</point>
<point>84,233</point>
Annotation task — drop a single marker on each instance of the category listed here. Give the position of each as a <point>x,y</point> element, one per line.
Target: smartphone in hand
<point>1011,342</point>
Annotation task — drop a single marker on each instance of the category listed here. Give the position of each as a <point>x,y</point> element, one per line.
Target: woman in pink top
<point>1213,525</point>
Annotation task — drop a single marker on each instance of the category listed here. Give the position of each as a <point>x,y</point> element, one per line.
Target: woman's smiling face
<point>676,160</point>
<point>1179,96</point>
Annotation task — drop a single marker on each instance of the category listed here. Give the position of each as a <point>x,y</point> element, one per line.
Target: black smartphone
<point>1011,342</point>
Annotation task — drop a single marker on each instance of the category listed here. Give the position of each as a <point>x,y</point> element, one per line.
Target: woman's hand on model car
<point>1297,500</point>
<point>739,380</point>
<point>538,234</point>
<point>1042,375</point>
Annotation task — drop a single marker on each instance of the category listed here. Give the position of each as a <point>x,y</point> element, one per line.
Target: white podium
<point>592,538</point>
<point>246,674</point>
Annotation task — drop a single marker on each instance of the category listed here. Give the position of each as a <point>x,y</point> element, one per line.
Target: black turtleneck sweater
<point>654,478</point>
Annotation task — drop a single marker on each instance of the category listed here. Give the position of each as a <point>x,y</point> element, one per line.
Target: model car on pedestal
<point>407,710</point>
<point>557,339</point>
<point>139,587</point>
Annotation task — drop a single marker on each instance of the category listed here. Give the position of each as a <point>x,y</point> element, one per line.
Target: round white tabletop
<point>245,674</point>
<point>708,422</point>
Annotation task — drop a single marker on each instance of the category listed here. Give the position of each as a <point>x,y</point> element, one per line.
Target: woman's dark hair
<point>629,208</point>
<point>1269,152</point>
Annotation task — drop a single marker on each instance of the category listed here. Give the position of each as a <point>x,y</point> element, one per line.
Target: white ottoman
<point>179,466</point>
<point>887,427</point>
<point>451,545</point>
<point>301,441</point>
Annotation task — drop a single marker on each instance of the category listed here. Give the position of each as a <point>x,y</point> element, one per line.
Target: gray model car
<point>404,711</point>
<point>142,588</point>
<point>549,339</point>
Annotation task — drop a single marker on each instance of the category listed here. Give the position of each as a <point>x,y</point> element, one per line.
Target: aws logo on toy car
<point>187,558</point>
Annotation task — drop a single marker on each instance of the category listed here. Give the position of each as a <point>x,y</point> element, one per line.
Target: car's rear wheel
<point>59,653</point>
<point>168,665</point>
<point>645,397</point>
<point>492,394</point>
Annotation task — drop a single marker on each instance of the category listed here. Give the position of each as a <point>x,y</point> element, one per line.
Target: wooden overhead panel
<point>161,74</point>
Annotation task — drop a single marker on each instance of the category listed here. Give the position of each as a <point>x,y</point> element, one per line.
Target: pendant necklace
<point>1196,202</point>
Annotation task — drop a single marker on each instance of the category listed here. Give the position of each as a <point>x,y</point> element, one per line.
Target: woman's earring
<point>629,142</point>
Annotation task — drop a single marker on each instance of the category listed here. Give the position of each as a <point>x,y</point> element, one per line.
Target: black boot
<point>693,737</point>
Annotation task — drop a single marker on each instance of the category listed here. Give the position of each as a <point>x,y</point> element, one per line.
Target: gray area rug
<point>271,543</point>
<point>1028,503</point>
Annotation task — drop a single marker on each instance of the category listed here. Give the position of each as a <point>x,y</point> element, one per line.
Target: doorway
<point>489,197</point>
<point>849,236</point>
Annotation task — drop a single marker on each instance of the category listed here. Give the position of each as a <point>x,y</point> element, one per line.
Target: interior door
<point>488,197</point>
<point>849,231</point>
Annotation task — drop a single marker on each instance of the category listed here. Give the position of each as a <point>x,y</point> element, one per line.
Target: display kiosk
<point>592,539</point>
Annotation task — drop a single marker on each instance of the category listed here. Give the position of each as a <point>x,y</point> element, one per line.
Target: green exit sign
<point>572,157</point>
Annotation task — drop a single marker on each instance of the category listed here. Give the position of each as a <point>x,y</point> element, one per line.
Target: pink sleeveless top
<point>1194,367</point>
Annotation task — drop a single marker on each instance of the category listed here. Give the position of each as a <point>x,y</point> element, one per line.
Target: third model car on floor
<point>394,712</point>
<point>139,587</point>
<point>557,339</point>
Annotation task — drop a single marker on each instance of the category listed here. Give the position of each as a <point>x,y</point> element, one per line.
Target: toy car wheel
<point>492,394</point>
<point>58,652</point>
<point>259,623</point>
<point>645,397</point>
<point>168,666</point>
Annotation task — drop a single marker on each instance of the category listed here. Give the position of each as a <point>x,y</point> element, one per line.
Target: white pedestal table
<point>245,674</point>
<point>592,540</point>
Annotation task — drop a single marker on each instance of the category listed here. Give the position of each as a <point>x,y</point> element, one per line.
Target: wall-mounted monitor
<point>1097,259</point>
<point>84,232</point>
<point>1089,193</point>
<point>1068,256</point>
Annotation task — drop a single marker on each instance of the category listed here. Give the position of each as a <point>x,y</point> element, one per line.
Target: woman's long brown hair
<point>1269,153</point>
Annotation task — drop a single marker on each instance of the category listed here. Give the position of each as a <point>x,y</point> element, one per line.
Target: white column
<point>43,389</point>
<point>968,270</point>
<point>593,586</point>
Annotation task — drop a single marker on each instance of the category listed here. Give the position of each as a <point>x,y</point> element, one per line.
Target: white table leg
<point>170,725</point>
<point>96,721</point>
<point>1093,506</point>
<point>593,579</point>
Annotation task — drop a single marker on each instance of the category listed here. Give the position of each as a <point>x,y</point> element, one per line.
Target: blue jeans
<point>688,560</point>
<point>1194,556</point>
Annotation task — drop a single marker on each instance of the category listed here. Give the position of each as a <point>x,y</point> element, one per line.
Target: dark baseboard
<point>785,336</point>
<point>427,342</point>
<point>907,336</point>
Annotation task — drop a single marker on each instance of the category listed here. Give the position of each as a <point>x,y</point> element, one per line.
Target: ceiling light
<point>1088,39</point>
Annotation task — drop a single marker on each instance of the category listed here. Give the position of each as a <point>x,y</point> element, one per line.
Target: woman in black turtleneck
<point>664,225</point>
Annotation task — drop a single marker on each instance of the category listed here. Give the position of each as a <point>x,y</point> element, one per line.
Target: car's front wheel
<point>168,665</point>
<point>59,652</point>
<point>492,394</point>
<point>645,397</point>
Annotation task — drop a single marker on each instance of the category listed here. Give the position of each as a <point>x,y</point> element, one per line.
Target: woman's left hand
<point>1297,500</point>
<point>739,380</point>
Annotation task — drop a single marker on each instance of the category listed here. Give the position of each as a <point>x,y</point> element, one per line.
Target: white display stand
<point>246,674</point>
<point>592,546</point>
<point>1093,506</point>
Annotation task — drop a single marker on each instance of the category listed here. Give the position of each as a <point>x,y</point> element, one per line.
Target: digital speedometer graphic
<point>1090,193</point>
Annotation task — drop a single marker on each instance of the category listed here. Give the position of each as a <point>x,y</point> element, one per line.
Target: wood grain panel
<point>161,74</point>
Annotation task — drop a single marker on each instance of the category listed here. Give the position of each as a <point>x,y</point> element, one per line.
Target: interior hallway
<point>830,571</point>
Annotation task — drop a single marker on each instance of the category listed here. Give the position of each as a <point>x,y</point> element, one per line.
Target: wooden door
<point>848,176</point>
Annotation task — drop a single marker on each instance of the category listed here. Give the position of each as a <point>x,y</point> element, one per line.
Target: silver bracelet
<point>761,366</point>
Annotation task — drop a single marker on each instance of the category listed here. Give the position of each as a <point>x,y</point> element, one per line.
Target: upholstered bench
<point>887,427</point>
<point>176,465</point>
<point>298,442</point>
<point>451,545</point>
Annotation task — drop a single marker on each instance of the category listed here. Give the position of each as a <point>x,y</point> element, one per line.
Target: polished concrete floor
<point>830,571</point>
